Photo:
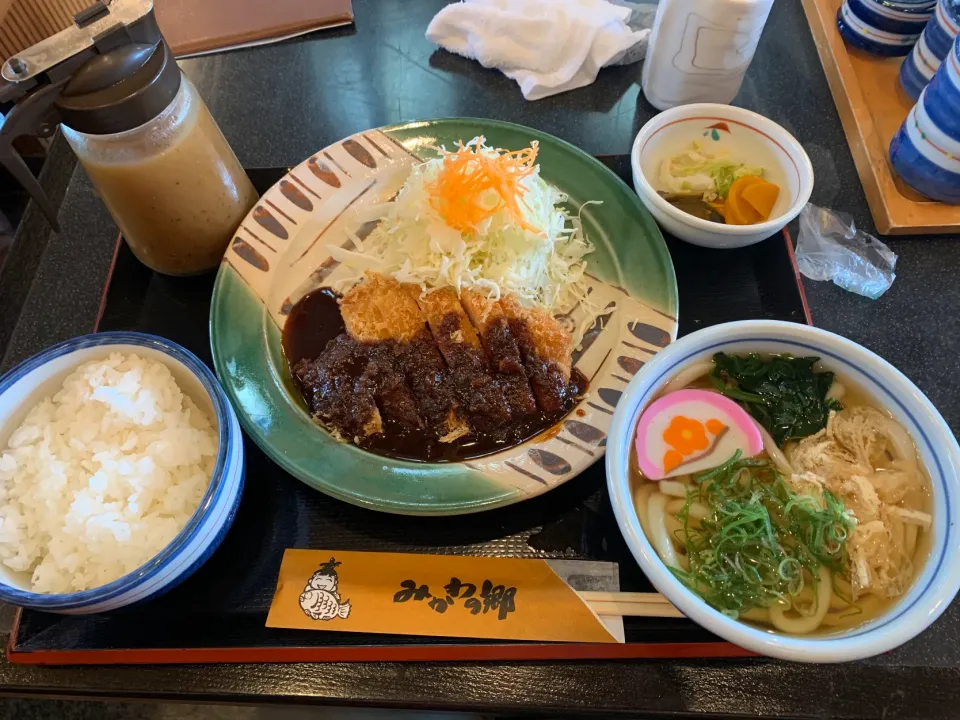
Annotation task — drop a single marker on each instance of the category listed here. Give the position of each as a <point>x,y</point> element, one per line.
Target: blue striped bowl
<point>883,27</point>
<point>925,152</point>
<point>42,375</point>
<point>921,65</point>
<point>936,582</point>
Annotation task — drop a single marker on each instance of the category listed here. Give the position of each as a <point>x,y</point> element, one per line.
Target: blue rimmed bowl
<point>936,582</point>
<point>41,376</point>
<point>884,27</point>
<point>935,43</point>
<point>925,152</point>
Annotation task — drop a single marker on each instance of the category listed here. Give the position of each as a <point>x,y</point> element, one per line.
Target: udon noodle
<point>851,510</point>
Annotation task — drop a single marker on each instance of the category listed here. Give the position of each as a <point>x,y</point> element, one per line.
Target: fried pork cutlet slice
<point>442,307</point>
<point>335,392</point>
<point>379,313</point>
<point>427,376</point>
<point>411,382</point>
<point>502,351</point>
<point>395,398</point>
<point>379,308</point>
<point>547,352</point>
<point>478,396</point>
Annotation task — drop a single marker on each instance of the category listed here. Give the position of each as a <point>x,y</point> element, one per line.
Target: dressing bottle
<point>140,130</point>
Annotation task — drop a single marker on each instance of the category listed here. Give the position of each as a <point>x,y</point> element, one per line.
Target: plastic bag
<point>831,248</point>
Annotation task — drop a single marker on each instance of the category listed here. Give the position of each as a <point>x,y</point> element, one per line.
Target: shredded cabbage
<point>696,171</point>
<point>414,244</point>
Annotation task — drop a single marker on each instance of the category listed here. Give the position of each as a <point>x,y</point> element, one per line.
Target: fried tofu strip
<point>502,351</point>
<point>478,394</point>
<point>547,351</point>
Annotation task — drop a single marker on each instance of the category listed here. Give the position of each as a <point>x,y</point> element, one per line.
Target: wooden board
<point>26,22</point>
<point>194,27</point>
<point>872,106</point>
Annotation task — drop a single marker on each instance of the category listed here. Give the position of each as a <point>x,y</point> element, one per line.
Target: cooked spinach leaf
<point>784,393</point>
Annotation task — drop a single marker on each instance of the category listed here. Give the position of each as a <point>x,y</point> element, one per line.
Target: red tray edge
<point>375,653</point>
<point>796,273</point>
<point>371,653</point>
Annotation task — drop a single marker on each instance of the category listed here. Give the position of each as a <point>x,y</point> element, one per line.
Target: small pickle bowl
<point>936,582</point>
<point>746,137</point>
<point>40,376</point>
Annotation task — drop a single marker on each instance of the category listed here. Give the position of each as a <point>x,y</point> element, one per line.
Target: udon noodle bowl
<point>818,532</point>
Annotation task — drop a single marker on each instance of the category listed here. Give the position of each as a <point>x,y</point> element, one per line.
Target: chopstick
<point>630,604</point>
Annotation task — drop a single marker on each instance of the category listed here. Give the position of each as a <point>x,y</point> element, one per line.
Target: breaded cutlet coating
<point>479,397</point>
<point>482,310</point>
<point>502,351</point>
<point>551,341</point>
<point>426,375</point>
<point>437,305</point>
<point>379,308</point>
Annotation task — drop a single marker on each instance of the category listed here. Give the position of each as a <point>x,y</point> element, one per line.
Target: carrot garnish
<point>476,182</point>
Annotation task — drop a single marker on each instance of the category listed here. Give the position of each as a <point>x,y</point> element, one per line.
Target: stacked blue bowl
<point>884,27</point>
<point>919,66</point>
<point>925,152</point>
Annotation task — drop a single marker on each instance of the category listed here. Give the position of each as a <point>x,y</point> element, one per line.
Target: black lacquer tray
<point>219,614</point>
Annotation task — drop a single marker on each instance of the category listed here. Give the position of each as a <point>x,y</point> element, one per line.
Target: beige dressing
<point>173,186</point>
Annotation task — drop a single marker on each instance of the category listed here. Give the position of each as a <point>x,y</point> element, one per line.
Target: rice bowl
<point>184,526</point>
<point>101,476</point>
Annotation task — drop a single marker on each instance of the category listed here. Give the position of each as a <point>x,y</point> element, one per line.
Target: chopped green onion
<point>761,538</point>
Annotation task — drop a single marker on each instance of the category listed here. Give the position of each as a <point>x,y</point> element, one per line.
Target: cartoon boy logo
<point>320,599</point>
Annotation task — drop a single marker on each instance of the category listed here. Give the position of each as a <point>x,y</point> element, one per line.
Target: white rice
<point>102,475</point>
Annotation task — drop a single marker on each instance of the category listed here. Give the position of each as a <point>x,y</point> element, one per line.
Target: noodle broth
<point>830,603</point>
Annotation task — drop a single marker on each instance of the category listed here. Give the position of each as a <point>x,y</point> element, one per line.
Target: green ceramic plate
<point>280,253</point>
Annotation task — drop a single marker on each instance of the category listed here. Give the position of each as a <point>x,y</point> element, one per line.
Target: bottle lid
<point>120,90</point>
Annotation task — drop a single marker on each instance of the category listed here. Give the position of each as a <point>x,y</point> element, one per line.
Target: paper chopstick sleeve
<point>434,595</point>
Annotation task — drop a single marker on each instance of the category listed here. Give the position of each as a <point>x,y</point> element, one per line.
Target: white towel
<point>548,46</point>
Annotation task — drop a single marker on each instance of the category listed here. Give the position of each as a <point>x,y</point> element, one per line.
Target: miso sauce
<point>315,321</point>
